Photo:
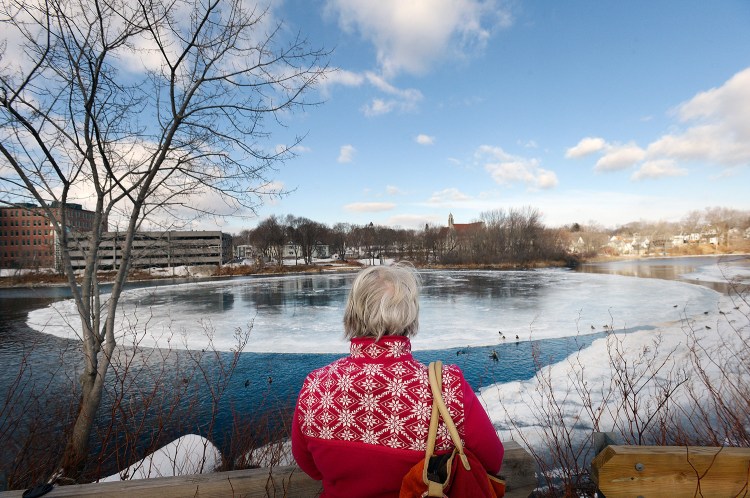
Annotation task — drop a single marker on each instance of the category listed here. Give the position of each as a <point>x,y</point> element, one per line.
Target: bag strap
<point>436,384</point>
<point>433,488</point>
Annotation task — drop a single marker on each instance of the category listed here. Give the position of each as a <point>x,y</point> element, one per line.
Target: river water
<point>296,324</point>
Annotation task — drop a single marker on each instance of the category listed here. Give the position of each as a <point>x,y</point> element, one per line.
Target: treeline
<point>728,226</point>
<point>515,237</point>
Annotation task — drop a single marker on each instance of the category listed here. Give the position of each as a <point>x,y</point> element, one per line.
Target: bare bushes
<point>152,397</point>
<point>687,384</point>
<point>32,414</point>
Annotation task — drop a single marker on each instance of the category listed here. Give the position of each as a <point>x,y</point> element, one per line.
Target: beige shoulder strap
<point>436,385</point>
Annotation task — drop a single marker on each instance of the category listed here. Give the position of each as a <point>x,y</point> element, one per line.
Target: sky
<point>589,111</point>
<point>605,112</point>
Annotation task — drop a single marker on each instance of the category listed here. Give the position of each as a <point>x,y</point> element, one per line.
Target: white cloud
<point>507,169</point>
<point>718,126</point>
<point>586,146</point>
<point>272,188</point>
<point>713,128</point>
<point>392,190</point>
<point>620,157</point>
<point>296,149</point>
<point>398,99</point>
<point>423,139</point>
<point>346,154</point>
<point>411,36</point>
<point>658,169</point>
<point>342,77</point>
<point>378,107</point>
<point>369,207</point>
<point>447,196</point>
<point>493,151</point>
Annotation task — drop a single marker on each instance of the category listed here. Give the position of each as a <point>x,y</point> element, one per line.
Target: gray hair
<point>384,300</point>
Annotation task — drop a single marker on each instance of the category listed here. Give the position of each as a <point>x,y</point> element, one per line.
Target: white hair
<point>384,300</point>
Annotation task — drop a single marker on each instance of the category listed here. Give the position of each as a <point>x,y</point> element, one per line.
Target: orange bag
<point>457,474</point>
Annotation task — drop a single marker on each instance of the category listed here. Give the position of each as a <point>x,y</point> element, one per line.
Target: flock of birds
<point>495,357</point>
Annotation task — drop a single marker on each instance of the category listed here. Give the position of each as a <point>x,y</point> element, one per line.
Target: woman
<point>361,422</point>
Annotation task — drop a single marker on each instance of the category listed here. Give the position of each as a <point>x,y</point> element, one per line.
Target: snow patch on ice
<point>187,455</point>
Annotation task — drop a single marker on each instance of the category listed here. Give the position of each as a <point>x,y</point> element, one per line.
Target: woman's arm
<point>479,433</point>
<point>299,447</point>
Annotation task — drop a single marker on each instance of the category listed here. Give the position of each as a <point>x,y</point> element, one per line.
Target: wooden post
<point>519,471</point>
<point>674,471</point>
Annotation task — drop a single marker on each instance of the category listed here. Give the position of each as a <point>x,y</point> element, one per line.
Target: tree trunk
<point>75,456</point>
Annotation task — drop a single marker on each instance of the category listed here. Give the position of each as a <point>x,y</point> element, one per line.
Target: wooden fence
<point>519,470</point>
<point>674,471</point>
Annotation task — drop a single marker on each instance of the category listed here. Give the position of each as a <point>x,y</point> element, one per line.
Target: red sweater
<point>361,422</point>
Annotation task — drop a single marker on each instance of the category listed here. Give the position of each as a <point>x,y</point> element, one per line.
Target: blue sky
<point>589,111</point>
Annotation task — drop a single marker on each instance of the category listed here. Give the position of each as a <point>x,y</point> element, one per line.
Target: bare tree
<point>143,108</point>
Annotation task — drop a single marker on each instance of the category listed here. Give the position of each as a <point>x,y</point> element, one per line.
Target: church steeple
<point>450,220</point>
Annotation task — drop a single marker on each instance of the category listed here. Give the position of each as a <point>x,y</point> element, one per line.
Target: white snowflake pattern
<point>370,437</point>
<point>372,369</point>
<point>450,395</point>
<point>326,418</point>
<point>356,350</point>
<point>311,401</point>
<point>326,400</point>
<point>345,400</point>
<point>370,420</point>
<point>396,387</point>
<point>399,369</point>
<point>394,424</point>
<point>420,430</point>
<point>314,383</point>
<point>422,410</point>
<point>373,351</point>
<point>346,435</point>
<point>394,442</point>
<point>423,392</point>
<point>308,418</point>
<point>381,398</point>
<point>394,405</point>
<point>417,443</point>
<point>346,418</point>
<point>344,383</point>
<point>326,433</point>
<point>369,384</point>
<point>369,402</point>
<point>397,349</point>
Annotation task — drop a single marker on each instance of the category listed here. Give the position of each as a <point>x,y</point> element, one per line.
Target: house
<point>457,235</point>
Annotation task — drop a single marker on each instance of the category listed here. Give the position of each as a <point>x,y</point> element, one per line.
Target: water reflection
<point>714,272</point>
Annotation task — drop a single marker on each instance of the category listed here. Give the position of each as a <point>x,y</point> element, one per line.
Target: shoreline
<point>39,280</point>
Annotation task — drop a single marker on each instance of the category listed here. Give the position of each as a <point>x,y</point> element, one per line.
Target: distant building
<point>245,251</point>
<point>456,234</point>
<point>27,234</point>
<point>319,251</point>
<point>156,249</point>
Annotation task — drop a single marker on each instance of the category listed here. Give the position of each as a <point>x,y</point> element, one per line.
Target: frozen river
<point>302,314</point>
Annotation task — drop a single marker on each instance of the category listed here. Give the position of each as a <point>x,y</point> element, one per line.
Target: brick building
<point>27,235</point>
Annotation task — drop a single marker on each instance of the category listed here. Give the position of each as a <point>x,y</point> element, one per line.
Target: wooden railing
<point>290,482</point>
<point>673,471</point>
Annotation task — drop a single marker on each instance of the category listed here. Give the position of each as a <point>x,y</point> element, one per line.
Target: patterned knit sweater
<point>361,422</point>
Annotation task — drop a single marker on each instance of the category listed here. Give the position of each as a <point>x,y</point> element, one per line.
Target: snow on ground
<point>16,272</point>
<point>515,407</point>
<point>183,271</point>
<point>190,454</point>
